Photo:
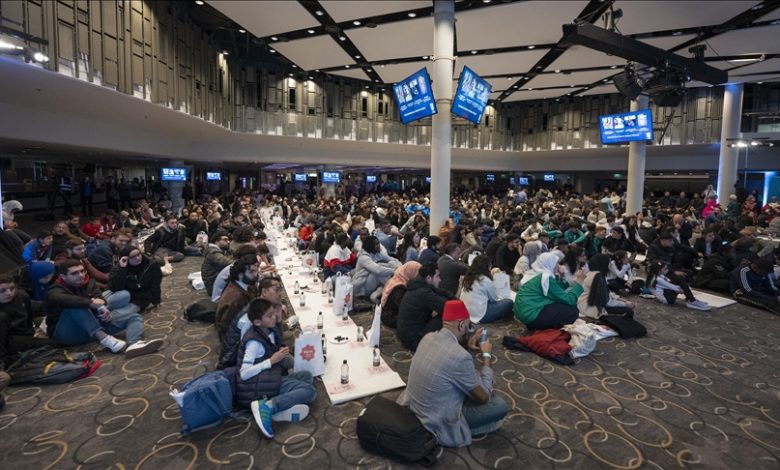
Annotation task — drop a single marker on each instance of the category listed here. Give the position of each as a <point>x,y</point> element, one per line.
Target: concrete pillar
<point>729,156</point>
<point>441,145</point>
<point>635,183</point>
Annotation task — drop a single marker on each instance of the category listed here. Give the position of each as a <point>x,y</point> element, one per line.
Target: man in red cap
<point>452,399</point>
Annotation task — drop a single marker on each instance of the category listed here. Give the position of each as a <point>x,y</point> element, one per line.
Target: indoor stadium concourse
<point>260,92</point>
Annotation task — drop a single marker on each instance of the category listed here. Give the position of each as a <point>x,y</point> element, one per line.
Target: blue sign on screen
<point>300,177</point>
<point>370,178</point>
<point>331,177</point>
<point>213,176</point>
<point>549,177</point>
<point>414,97</point>
<point>522,181</point>
<point>173,174</point>
<point>428,179</point>
<point>471,97</point>
<point>626,127</point>
<point>490,178</point>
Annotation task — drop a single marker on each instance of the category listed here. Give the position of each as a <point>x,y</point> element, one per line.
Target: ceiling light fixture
<point>40,57</point>
<point>311,78</point>
<point>290,74</point>
<point>614,67</point>
<point>382,65</point>
<point>356,23</point>
<point>425,57</point>
<point>473,52</point>
<point>342,38</point>
<point>677,33</point>
<point>557,70</point>
<point>199,2</point>
<point>509,78</point>
<point>295,66</point>
<point>274,38</point>
<point>242,31</point>
<point>311,31</point>
<point>225,53</point>
<point>8,46</point>
<point>531,47</point>
<point>486,1</point>
<point>346,66</point>
<point>272,51</point>
<point>369,70</point>
<point>357,56</point>
<point>411,14</point>
<point>319,12</point>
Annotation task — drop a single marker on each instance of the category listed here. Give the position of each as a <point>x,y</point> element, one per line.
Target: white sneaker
<point>112,344</point>
<point>698,305</point>
<point>294,414</point>
<point>139,348</point>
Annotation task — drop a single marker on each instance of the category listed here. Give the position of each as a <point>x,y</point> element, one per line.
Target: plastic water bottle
<point>345,372</point>
<point>324,348</point>
<point>360,334</point>
<point>324,289</point>
<point>319,321</point>
<point>302,302</point>
<point>296,287</point>
<point>345,314</point>
<point>330,296</point>
<point>376,362</point>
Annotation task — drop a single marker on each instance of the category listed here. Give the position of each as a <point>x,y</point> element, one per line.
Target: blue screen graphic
<point>626,127</point>
<point>331,177</point>
<point>370,178</point>
<point>213,176</point>
<point>173,174</point>
<point>471,96</point>
<point>300,177</point>
<point>414,97</point>
<point>522,181</point>
<point>549,177</point>
<point>490,178</point>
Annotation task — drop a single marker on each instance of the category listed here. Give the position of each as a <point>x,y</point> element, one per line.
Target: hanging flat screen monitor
<point>471,97</point>
<point>300,177</point>
<point>523,181</point>
<point>414,97</point>
<point>173,174</point>
<point>428,179</point>
<point>490,178</point>
<point>370,178</point>
<point>626,127</point>
<point>549,177</point>
<point>331,177</point>
<point>213,176</point>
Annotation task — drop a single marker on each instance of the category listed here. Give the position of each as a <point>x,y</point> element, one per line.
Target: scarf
<point>544,266</point>
<point>402,275</point>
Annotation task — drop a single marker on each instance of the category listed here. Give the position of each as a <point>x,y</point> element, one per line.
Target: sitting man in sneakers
<point>16,321</point>
<point>752,285</point>
<point>261,385</point>
<point>137,275</point>
<point>452,399</point>
<point>76,313</point>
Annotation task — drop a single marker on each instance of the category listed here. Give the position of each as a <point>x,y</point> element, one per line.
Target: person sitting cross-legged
<point>261,385</point>
<point>452,399</point>
<point>752,285</point>
<point>76,313</point>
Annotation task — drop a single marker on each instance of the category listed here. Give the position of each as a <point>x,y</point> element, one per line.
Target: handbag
<point>626,327</point>
<point>583,339</point>
<point>342,294</point>
<point>308,352</point>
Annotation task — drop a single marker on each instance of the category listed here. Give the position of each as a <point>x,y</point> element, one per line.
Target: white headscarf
<point>545,266</point>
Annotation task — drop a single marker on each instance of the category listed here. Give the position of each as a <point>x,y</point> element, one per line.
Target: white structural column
<point>441,145</point>
<point>635,185</point>
<point>729,156</point>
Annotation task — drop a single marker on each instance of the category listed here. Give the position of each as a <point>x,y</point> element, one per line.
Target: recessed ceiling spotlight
<point>346,66</point>
<point>274,38</point>
<point>531,47</point>
<point>272,51</point>
<point>515,87</point>
<point>369,70</point>
<point>342,38</point>
<point>538,66</point>
<point>382,65</point>
<point>530,89</point>
<point>242,31</point>
<point>557,70</point>
<point>357,56</point>
<point>317,70</point>
<point>509,78</point>
<point>311,31</point>
<point>571,86</point>
<point>486,1</point>
<point>411,14</point>
<point>356,23</point>
<point>473,52</point>
<point>311,78</point>
<point>295,66</point>
<point>425,57</point>
<point>677,33</point>
<point>290,74</point>
<point>760,83</point>
<point>199,2</point>
<point>319,12</point>
<point>376,81</point>
<point>366,87</point>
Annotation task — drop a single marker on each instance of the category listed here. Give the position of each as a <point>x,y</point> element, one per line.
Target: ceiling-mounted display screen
<point>331,177</point>
<point>490,178</point>
<point>370,178</point>
<point>471,96</point>
<point>626,127</point>
<point>173,174</point>
<point>414,97</point>
<point>300,177</point>
<point>522,181</point>
<point>549,177</point>
<point>213,176</point>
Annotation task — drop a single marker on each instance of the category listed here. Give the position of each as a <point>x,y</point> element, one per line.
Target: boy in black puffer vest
<point>260,385</point>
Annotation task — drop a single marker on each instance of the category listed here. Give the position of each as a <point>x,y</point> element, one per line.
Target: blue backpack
<point>207,400</point>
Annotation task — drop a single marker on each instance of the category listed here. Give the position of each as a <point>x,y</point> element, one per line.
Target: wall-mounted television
<point>549,177</point>
<point>300,177</point>
<point>414,97</point>
<point>472,96</point>
<point>522,181</point>
<point>173,174</point>
<point>213,176</point>
<point>370,178</point>
<point>331,177</point>
<point>626,127</point>
<point>428,179</point>
<point>490,178</point>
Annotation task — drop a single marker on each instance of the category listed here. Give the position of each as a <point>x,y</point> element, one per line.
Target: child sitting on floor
<point>666,285</point>
<point>260,385</point>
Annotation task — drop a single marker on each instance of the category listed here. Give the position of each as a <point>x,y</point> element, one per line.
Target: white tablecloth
<point>364,379</point>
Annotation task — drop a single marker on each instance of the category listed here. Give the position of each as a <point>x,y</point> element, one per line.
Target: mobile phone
<point>484,335</point>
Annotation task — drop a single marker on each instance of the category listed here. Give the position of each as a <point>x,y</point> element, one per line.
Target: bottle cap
<point>345,361</point>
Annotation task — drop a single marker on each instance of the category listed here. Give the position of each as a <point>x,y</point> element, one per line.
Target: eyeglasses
<point>137,255</point>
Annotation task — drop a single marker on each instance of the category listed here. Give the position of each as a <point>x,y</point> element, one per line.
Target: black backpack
<point>391,430</point>
<point>204,311</point>
<point>626,327</point>
<point>48,365</point>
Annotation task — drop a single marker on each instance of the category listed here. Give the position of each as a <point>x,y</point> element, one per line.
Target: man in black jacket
<point>716,273</point>
<point>137,275</point>
<point>217,257</point>
<point>450,269</point>
<point>508,254</point>
<point>104,256</point>
<point>168,242</point>
<point>76,313</point>
<point>16,321</point>
<point>751,285</point>
<point>420,310</point>
<point>193,226</point>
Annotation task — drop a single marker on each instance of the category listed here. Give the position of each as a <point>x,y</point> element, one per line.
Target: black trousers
<point>555,316</point>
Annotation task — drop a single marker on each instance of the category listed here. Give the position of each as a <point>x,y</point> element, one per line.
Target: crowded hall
<point>455,234</point>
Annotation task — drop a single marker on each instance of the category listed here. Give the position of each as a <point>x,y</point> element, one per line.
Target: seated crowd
<point>543,259</point>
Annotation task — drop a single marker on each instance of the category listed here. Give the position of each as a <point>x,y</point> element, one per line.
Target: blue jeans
<point>487,417</point>
<point>80,325</point>
<point>498,310</point>
<point>296,389</point>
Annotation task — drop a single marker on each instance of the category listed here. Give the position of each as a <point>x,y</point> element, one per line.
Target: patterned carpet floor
<point>701,391</point>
